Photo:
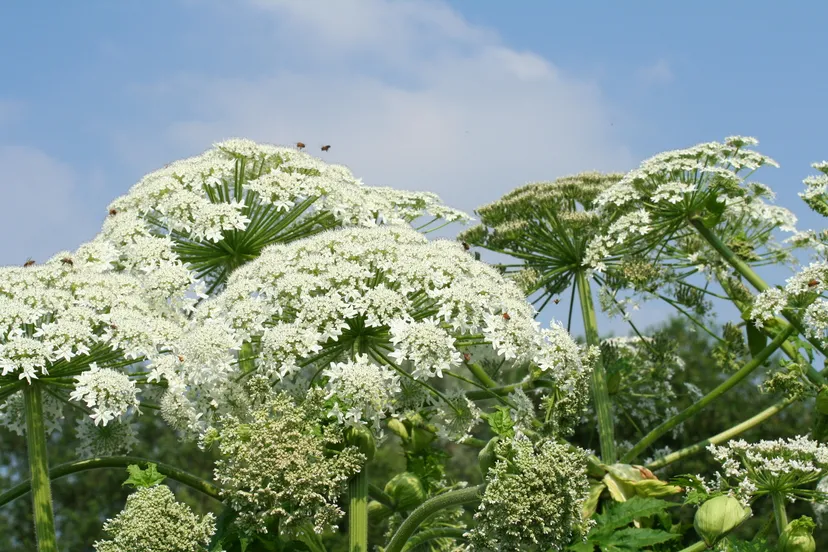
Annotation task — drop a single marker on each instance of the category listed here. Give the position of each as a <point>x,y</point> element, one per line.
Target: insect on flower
<point>467,357</point>
<point>180,358</point>
<point>67,261</point>
<point>300,145</point>
<point>28,263</point>
<point>466,246</point>
<point>326,148</point>
<point>506,316</point>
<point>113,212</point>
<point>813,283</point>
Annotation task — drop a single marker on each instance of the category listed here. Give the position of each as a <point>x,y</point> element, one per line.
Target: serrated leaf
<point>632,539</point>
<point>501,422</point>
<point>622,514</point>
<point>139,478</point>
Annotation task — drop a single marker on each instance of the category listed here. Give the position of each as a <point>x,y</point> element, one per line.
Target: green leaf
<point>624,513</point>
<point>501,422</point>
<point>756,338</point>
<point>143,478</point>
<point>632,539</point>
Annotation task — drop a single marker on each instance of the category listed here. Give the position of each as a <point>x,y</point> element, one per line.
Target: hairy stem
<point>600,391</point>
<point>63,470</point>
<point>358,511</point>
<point>725,386</point>
<point>429,508</point>
<point>723,436</point>
<point>44,517</point>
<point>779,512</point>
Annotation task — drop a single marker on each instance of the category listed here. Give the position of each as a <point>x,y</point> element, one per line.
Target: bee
<point>466,246</point>
<point>467,357</point>
<point>326,148</point>
<point>113,212</point>
<point>29,262</point>
<point>506,316</point>
<point>113,326</point>
<point>556,300</point>
<point>180,358</point>
<point>67,261</point>
<point>813,283</point>
<point>300,145</point>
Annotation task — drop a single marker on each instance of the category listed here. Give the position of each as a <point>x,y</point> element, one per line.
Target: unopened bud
<point>719,516</point>
<point>406,490</point>
<point>798,536</point>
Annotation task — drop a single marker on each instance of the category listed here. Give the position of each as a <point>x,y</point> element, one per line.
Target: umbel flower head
<point>217,211</point>
<point>651,204</point>
<point>278,465</point>
<point>153,521</point>
<point>78,318</point>
<point>786,466</point>
<point>348,307</point>
<point>547,225</point>
<point>534,496</point>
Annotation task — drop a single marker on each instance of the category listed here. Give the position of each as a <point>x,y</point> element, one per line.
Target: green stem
<point>723,436</point>
<point>358,511</point>
<point>44,517</point>
<point>725,386</point>
<point>600,391</point>
<point>747,272</point>
<point>434,534</point>
<point>779,512</point>
<point>429,508</point>
<point>69,468</point>
<point>480,374</point>
<point>506,389</point>
<point>698,547</point>
<point>380,496</point>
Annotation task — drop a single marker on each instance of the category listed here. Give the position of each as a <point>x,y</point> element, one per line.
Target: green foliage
<point>500,421</point>
<point>139,478</point>
<point>612,532</point>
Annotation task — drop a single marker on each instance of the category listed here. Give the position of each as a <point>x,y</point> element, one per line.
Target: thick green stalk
<point>600,390</point>
<point>779,512</point>
<point>358,512</point>
<point>115,462</point>
<point>694,408</point>
<point>44,517</point>
<point>429,508</point>
<point>723,436</point>
<point>747,272</point>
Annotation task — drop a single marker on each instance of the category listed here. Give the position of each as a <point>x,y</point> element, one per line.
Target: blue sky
<point>468,99</point>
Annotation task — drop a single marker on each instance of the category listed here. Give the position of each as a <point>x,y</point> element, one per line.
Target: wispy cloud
<point>658,73</point>
<point>408,94</point>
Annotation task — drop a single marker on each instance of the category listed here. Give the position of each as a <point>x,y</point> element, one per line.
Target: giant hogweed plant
<point>689,228</point>
<point>270,306</point>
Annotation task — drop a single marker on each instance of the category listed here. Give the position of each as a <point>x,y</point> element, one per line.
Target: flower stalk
<point>779,512</point>
<point>358,511</point>
<point>429,508</point>
<point>725,386</point>
<point>600,390</point>
<point>44,517</point>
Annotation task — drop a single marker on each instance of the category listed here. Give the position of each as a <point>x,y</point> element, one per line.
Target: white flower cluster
<point>58,317</point>
<point>109,393</point>
<point>672,185</point>
<point>244,196</point>
<point>788,466</point>
<point>367,305</point>
<point>802,292</point>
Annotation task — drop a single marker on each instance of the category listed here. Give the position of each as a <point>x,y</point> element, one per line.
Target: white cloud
<point>40,212</point>
<point>658,73</point>
<point>408,94</point>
